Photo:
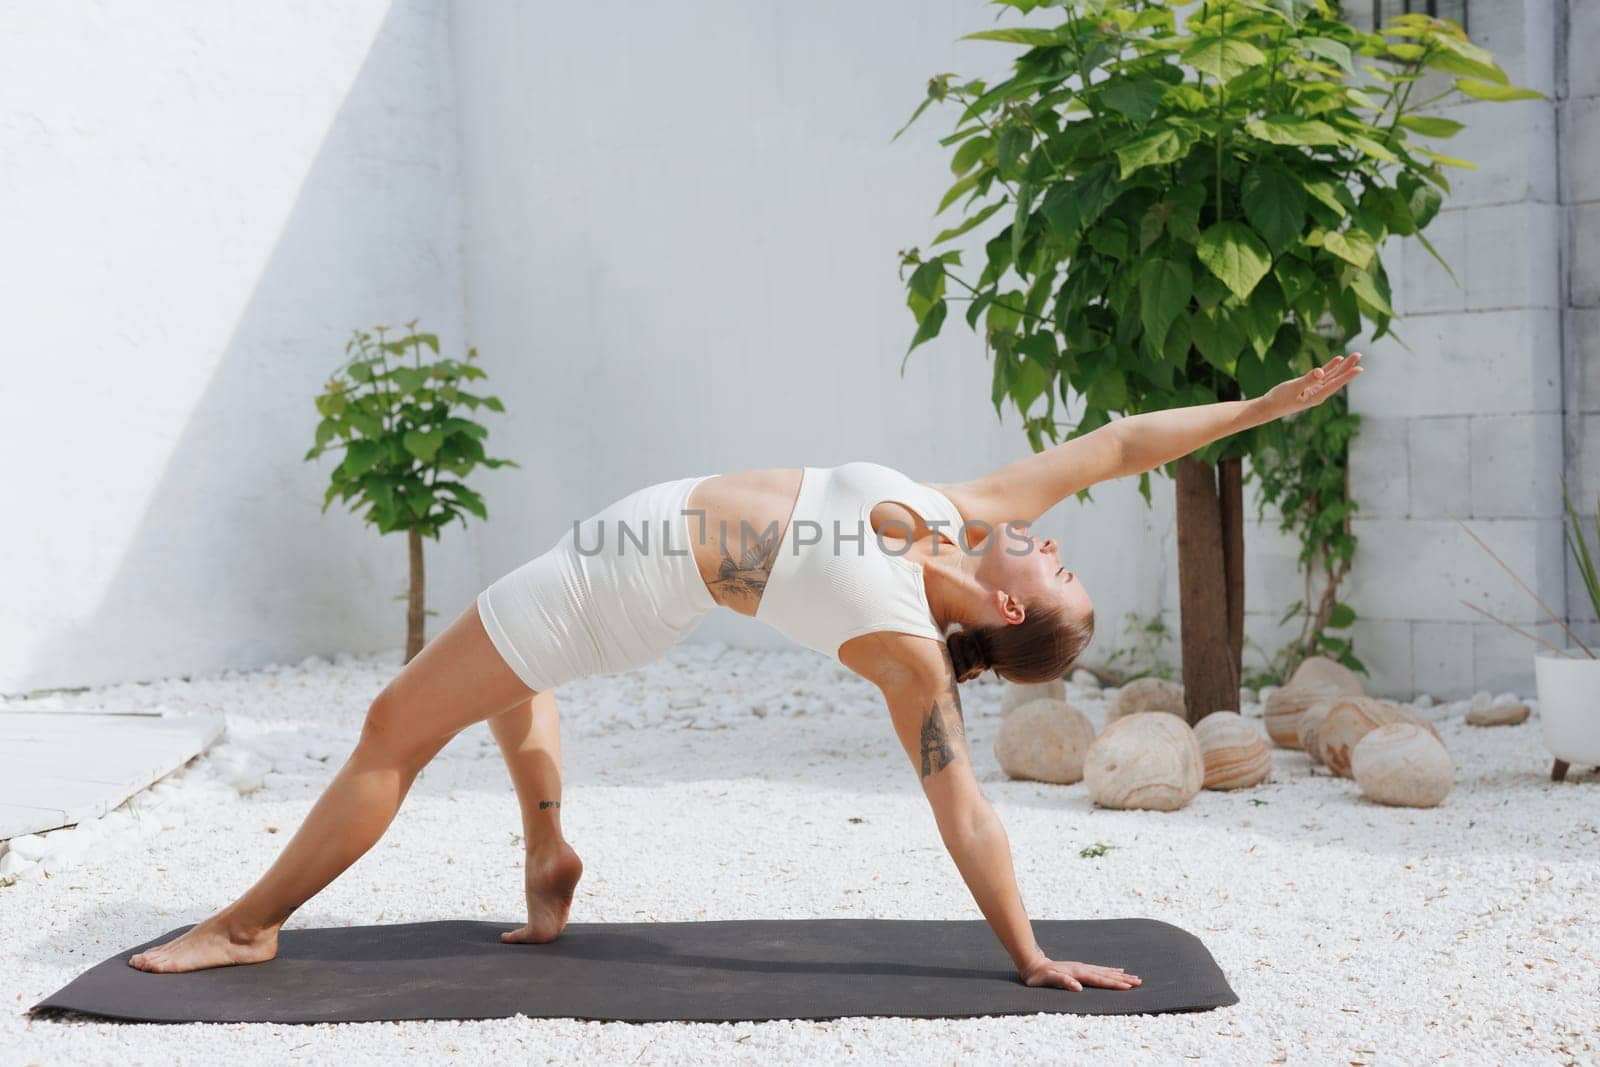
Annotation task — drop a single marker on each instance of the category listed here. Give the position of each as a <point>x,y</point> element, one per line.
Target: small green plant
<point>1582,558</point>
<point>395,416</point>
<point>1140,653</point>
<point>1094,851</point>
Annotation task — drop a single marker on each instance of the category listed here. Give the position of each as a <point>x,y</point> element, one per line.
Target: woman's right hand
<point>1071,975</point>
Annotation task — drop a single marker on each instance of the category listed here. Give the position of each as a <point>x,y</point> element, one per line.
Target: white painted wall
<point>199,201</point>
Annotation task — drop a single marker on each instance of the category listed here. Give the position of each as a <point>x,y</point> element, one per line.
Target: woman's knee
<point>394,732</point>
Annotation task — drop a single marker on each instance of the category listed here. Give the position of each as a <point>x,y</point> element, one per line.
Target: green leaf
<point>1061,211</point>
<point>969,153</point>
<point>1163,145</point>
<point>1483,90</point>
<point>1432,125</point>
<point>1365,287</point>
<point>359,458</point>
<point>1275,204</point>
<point>971,222</point>
<point>1423,199</point>
<point>1293,130</point>
<point>1014,140</point>
<point>1109,390</point>
<point>927,281</point>
<point>1448,161</point>
<point>927,328</point>
<point>1223,57</point>
<point>1330,49</point>
<point>956,191</point>
<point>1216,337</point>
<point>1252,376</point>
<point>1341,616</point>
<point>1137,98</point>
<point>1165,286</point>
<point>1069,207</point>
<point>423,444</point>
<point>1331,193</point>
<point>1372,148</point>
<point>410,379</point>
<point>1353,246</point>
<point>1028,380</point>
<point>1233,252</point>
<point>1034,38</point>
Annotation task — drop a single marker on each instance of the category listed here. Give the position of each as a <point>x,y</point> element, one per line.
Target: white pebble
<point>12,864</point>
<point>32,848</point>
<point>1423,701</point>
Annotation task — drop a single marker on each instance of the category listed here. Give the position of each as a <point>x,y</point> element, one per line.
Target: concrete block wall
<point>1471,421</point>
<point>1578,133</point>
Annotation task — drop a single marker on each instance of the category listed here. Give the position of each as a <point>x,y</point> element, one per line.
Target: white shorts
<point>612,595</point>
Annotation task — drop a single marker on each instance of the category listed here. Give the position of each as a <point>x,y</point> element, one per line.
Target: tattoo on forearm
<point>549,804</point>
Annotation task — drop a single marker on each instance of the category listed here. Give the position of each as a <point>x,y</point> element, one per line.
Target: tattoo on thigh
<point>549,804</point>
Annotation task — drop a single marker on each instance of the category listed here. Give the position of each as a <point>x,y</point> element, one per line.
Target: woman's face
<point>1031,571</point>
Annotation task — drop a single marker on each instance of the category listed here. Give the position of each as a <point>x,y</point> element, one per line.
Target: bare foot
<point>551,880</point>
<point>209,944</point>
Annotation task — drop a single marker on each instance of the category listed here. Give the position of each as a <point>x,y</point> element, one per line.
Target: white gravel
<point>730,784</point>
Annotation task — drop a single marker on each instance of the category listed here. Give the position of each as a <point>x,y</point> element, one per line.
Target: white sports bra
<point>833,578</point>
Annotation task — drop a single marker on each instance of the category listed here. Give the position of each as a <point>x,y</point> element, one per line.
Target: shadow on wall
<point>231,563</point>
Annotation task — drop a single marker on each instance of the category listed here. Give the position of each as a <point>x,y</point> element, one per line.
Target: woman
<point>856,561</point>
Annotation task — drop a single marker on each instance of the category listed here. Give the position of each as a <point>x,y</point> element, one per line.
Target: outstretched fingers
<point>1327,379</point>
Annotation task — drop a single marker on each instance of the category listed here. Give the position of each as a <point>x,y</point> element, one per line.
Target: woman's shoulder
<point>890,658</point>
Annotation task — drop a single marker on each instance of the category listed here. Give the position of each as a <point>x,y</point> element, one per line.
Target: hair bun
<point>969,653</point>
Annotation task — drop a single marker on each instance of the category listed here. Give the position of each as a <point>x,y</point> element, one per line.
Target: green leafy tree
<point>1190,206</point>
<point>405,447</point>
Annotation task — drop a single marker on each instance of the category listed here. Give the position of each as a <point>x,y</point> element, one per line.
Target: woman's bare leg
<point>456,680</point>
<point>530,739</point>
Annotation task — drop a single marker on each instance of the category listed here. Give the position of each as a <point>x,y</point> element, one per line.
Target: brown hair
<point>1040,648</point>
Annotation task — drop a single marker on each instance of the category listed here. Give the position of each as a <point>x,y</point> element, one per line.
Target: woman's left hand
<point>1069,974</point>
<point>1314,387</point>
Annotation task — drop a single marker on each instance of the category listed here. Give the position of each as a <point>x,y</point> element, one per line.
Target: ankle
<point>244,931</point>
<point>547,850</point>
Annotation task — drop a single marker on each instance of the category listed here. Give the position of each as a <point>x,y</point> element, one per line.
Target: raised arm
<point>925,706</point>
<point>1023,490</point>
<point>1154,438</point>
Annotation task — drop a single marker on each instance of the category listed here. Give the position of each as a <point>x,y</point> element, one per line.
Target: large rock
<point>1147,694</point>
<point>1285,706</point>
<point>1309,727</point>
<point>1320,670</point>
<point>1145,760</point>
<point>1016,695</point>
<point>1350,720</point>
<point>1507,714</point>
<point>1232,751</point>
<point>1403,764</point>
<point>1044,740</point>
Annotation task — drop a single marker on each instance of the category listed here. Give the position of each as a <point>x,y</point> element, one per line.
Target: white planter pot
<point>1569,707</point>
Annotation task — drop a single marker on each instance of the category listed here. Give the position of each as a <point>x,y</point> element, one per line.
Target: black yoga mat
<point>720,971</point>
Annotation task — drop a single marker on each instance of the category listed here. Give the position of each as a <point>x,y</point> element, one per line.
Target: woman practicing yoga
<point>857,561</point>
